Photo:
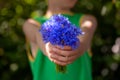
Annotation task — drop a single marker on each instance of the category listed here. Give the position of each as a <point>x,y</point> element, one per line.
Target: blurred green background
<point>14,64</point>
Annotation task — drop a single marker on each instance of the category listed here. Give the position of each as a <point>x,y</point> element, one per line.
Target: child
<point>44,56</point>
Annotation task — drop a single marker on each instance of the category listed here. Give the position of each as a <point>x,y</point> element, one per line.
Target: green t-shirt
<point>43,69</point>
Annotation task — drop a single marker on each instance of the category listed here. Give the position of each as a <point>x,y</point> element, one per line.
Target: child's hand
<point>62,56</point>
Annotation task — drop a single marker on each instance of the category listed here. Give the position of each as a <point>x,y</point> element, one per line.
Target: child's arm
<point>31,31</point>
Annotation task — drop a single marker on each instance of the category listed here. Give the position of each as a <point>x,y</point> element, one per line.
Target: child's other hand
<point>62,56</point>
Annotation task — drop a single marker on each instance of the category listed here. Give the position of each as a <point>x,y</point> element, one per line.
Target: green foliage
<point>13,60</point>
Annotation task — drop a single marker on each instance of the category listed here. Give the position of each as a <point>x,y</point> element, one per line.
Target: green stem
<point>60,68</point>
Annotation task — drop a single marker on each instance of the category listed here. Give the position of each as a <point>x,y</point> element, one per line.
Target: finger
<point>60,63</point>
<point>59,58</point>
<point>72,58</point>
<point>62,52</point>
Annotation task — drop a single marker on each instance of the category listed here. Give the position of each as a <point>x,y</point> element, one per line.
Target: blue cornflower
<point>58,30</point>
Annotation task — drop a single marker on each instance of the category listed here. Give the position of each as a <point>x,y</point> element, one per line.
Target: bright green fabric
<point>43,69</point>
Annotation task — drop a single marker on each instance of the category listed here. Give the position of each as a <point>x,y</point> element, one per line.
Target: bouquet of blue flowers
<point>58,30</point>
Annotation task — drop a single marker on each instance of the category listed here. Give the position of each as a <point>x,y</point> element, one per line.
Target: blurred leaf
<point>117,4</point>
